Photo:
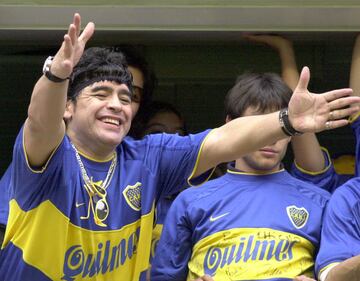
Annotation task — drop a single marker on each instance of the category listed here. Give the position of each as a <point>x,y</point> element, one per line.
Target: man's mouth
<point>111,121</point>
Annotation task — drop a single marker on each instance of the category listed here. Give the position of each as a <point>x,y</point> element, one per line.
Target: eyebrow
<point>110,89</point>
<point>101,88</point>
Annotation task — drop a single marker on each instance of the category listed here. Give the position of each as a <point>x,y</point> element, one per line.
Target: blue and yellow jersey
<point>162,208</point>
<point>51,232</point>
<point>242,227</point>
<point>340,238</point>
<point>327,179</point>
<point>4,196</point>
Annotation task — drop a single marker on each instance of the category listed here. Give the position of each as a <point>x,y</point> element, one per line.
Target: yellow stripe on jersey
<point>324,150</point>
<point>251,254</point>
<point>155,238</point>
<point>62,250</point>
<point>197,163</point>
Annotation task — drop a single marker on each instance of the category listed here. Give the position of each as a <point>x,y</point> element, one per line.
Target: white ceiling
<point>45,25</point>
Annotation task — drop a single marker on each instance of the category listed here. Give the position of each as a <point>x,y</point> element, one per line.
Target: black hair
<point>264,92</point>
<point>136,59</point>
<point>98,64</point>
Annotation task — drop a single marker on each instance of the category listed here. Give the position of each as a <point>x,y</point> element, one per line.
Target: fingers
<point>342,113</point>
<point>77,23</point>
<point>87,32</point>
<point>342,102</point>
<point>256,38</point>
<point>205,278</point>
<point>336,117</point>
<point>304,80</point>
<point>67,46</point>
<point>329,125</point>
<point>336,94</point>
<point>303,278</point>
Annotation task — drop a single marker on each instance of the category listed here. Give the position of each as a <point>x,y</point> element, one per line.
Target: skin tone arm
<point>307,151</point>
<point>355,68</point>
<point>348,270</point>
<point>44,127</point>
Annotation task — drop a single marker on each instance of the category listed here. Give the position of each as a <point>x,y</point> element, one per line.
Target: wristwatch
<point>48,74</point>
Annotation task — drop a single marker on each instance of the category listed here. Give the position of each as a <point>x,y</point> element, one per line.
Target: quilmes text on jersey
<point>80,264</point>
<point>247,249</point>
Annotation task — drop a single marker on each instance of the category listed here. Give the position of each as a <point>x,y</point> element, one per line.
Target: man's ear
<point>69,109</point>
<point>228,119</point>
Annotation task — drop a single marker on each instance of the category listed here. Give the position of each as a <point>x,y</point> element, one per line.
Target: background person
<point>223,228</point>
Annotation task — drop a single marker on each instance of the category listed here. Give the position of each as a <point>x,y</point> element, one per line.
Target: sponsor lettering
<point>248,249</point>
<point>79,264</point>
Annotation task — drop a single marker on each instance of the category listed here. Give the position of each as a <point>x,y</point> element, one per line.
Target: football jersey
<point>162,208</point>
<point>51,232</point>
<point>242,227</point>
<point>340,238</point>
<point>4,196</point>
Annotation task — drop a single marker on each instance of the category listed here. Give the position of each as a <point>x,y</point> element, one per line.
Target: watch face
<point>47,64</point>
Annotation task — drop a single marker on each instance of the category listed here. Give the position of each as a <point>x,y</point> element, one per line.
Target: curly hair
<point>98,64</point>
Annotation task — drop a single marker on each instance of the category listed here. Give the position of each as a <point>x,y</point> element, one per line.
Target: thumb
<point>304,79</point>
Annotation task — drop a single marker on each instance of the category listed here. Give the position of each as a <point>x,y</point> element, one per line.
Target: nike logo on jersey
<point>218,217</point>
<point>77,205</point>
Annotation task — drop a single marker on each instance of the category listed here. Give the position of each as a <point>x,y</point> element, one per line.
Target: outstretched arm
<point>308,112</point>
<point>44,127</point>
<point>307,150</point>
<point>355,68</point>
<point>284,47</point>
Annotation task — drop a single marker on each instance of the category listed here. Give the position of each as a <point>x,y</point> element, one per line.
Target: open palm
<point>309,112</point>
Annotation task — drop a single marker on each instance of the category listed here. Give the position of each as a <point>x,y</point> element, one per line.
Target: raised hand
<point>72,47</point>
<point>309,112</point>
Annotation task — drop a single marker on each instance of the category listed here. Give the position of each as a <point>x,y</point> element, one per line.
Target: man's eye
<point>100,95</point>
<point>125,99</point>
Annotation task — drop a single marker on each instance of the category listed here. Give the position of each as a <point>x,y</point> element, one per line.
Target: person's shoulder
<point>311,191</point>
<point>161,139</point>
<point>349,191</point>
<point>199,193</point>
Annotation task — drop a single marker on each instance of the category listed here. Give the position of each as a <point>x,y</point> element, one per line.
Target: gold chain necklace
<point>97,192</point>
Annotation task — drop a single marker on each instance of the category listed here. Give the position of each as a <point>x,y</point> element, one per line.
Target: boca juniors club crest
<point>298,216</point>
<point>132,194</point>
